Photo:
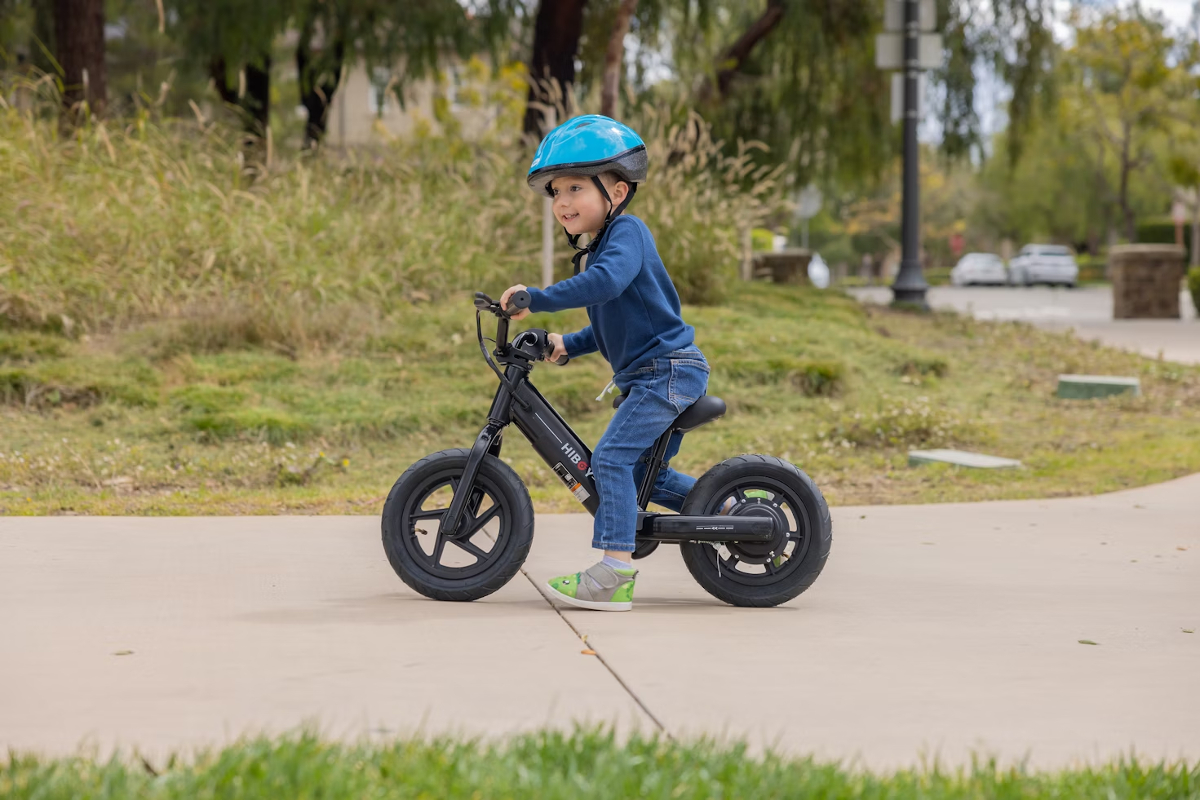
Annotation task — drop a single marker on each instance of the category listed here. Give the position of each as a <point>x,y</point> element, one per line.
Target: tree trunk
<point>1123,199</point>
<point>318,82</point>
<point>614,59</point>
<point>1195,259</point>
<point>556,33</point>
<point>731,60</point>
<point>218,71</point>
<point>255,102</point>
<point>79,48</point>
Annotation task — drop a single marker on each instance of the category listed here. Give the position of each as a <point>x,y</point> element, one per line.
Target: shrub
<point>810,378</point>
<point>26,346</point>
<point>264,424</point>
<point>79,382</point>
<point>1161,230</point>
<point>920,366</point>
<point>901,422</point>
<point>206,399</point>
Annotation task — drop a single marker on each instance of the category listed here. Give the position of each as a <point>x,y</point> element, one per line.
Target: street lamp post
<point>905,47</point>
<point>910,285</point>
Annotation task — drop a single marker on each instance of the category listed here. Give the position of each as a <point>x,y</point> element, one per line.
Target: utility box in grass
<point>1145,280</point>
<point>1088,387</point>
<point>786,266</point>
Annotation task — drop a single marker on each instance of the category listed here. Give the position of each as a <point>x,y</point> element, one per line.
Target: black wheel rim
<point>484,529</point>
<point>761,564</point>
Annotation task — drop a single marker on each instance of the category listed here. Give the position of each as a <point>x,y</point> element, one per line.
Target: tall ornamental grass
<point>129,222</point>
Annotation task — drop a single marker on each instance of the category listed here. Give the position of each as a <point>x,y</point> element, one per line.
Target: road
<point>1087,311</point>
<point>934,631</point>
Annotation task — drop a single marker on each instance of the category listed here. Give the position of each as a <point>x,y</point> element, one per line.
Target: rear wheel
<point>493,538</point>
<point>767,574</point>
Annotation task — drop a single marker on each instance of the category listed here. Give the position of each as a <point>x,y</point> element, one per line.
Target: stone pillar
<point>1145,280</point>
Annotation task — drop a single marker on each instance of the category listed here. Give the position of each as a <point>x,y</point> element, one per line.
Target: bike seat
<point>704,410</point>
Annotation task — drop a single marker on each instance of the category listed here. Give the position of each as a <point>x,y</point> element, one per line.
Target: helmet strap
<point>613,213</point>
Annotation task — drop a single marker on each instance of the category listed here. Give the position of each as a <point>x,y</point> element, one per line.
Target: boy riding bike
<point>591,166</point>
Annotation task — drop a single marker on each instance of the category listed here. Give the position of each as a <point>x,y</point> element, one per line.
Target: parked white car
<point>979,268</point>
<point>1044,263</point>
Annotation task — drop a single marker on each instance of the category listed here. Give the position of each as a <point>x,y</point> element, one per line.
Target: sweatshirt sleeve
<point>615,267</point>
<point>580,343</point>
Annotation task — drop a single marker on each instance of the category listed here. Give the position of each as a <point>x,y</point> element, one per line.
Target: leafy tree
<point>235,39</point>
<point>799,77</point>
<point>1126,87</point>
<point>1051,193</point>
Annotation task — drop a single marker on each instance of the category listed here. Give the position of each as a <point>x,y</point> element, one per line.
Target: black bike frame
<point>519,402</point>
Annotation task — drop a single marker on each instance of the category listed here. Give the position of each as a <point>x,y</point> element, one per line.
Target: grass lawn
<point>185,417</point>
<point>573,766</point>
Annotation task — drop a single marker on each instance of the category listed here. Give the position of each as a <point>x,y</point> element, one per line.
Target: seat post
<point>654,467</point>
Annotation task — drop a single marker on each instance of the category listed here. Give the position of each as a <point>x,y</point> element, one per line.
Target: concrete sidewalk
<point>1087,311</point>
<point>935,630</point>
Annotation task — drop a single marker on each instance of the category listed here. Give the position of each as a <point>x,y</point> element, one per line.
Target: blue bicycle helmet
<point>590,146</point>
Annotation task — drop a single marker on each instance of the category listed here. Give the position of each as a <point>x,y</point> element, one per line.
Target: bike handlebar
<point>519,301</point>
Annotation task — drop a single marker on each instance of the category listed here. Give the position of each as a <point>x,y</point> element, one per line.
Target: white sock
<point>616,563</point>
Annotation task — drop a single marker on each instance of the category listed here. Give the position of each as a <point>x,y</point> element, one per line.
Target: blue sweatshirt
<point>630,300</point>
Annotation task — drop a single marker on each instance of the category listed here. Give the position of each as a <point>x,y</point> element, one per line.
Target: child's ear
<point>619,193</point>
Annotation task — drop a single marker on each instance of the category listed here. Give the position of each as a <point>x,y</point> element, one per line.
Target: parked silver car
<point>1044,263</point>
<point>979,268</point>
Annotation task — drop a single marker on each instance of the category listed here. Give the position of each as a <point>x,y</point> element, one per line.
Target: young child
<point>591,167</point>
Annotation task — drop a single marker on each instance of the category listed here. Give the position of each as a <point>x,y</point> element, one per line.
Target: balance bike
<point>458,524</point>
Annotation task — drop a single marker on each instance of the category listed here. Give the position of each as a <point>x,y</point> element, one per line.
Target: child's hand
<point>559,349</point>
<point>509,292</point>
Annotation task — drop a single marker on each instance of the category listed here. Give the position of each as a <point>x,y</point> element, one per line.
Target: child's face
<point>578,205</point>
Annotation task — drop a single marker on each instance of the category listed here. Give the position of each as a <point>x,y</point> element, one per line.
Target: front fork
<point>487,443</point>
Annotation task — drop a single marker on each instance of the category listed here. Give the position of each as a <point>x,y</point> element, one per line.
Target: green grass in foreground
<point>553,765</point>
<point>164,420</point>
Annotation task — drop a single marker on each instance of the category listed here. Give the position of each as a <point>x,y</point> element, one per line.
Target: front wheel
<point>760,575</point>
<point>494,533</point>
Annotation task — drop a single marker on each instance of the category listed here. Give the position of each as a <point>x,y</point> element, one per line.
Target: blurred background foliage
<point>1073,124</point>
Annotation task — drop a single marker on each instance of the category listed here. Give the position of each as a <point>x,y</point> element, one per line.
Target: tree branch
<point>731,60</point>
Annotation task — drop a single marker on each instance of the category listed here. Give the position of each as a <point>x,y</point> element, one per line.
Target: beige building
<point>365,109</point>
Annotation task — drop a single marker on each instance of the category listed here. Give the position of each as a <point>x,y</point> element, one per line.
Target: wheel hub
<point>761,552</point>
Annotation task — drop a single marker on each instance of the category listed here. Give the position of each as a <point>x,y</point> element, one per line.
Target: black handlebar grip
<point>562,361</point>
<point>520,299</point>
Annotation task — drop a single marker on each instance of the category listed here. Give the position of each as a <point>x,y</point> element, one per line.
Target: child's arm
<point>580,343</point>
<point>603,280</point>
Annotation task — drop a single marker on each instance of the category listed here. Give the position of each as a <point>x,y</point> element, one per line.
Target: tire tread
<point>761,597</point>
<point>522,531</point>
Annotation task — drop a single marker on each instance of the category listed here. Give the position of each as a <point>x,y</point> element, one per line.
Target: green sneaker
<point>599,587</point>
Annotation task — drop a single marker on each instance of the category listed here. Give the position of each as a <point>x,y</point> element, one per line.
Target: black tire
<point>791,563</point>
<point>425,569</point>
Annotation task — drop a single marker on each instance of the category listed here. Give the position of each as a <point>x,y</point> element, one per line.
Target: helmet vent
<point>583,124</point>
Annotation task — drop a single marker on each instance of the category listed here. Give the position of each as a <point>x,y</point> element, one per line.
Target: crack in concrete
<point>621,681</point>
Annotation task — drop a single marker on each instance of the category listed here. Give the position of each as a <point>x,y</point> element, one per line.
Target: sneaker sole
<point>592,605</point>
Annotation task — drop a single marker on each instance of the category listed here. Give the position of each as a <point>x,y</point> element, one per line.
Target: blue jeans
<point>657,393</point>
